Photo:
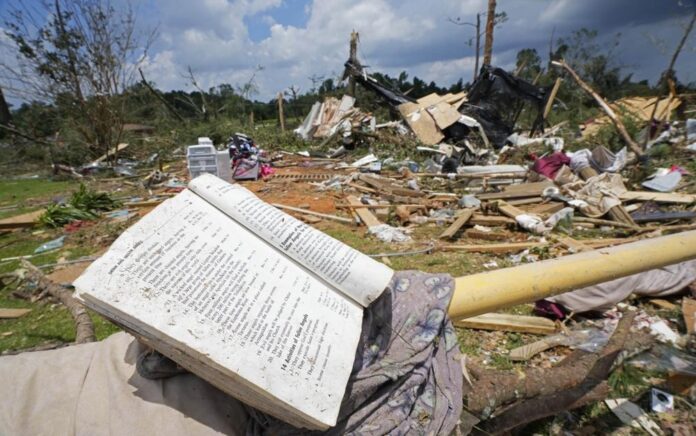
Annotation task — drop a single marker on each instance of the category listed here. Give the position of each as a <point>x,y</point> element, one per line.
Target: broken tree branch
<point>84,329</point>
<point>605,107</point>
<point>575,382</point>
<point>169,107</point>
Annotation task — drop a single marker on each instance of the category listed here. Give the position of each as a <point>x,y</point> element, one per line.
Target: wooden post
<point>552,97</point>
<point>490,291</point>
<point>478,44</point>
<point>490,24</point>
<point>353,57</point>
<point>251,120</point>
<point>281,115</point>
<point>605,106</point>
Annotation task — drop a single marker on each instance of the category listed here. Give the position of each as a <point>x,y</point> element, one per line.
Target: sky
<point>224,41</point>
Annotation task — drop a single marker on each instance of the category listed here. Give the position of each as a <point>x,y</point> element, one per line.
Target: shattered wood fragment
<point>689,313</point>
<point>21,221</point>
<point>12,313</point>
<point>509,323</point>
<point>572,244</point>
<point>462,218</point>
<point>513,247</point>
<point>365,215</point>
<point>631,414</point>
<point>491,220</point>
<point>309,212</point>
<point>488,236</point>
<point>518,191</point>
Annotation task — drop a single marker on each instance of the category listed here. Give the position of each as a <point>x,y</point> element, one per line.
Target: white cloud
<point>412,35</point>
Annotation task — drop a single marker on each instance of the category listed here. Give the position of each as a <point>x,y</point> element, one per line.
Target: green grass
<point>18,192</point>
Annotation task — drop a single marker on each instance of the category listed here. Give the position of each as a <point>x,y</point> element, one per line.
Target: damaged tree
<point>82,59</point>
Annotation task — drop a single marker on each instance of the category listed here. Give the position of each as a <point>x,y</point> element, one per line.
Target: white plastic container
<point>224,165</point>
<point>197,150</point>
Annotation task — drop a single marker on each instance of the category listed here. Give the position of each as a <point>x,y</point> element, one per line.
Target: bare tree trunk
<point>84,331</point>
<point>5,115</point>
<point>490,25</point>
<point>669,72</point>
<point>478,44</point>
<point>605,106</point>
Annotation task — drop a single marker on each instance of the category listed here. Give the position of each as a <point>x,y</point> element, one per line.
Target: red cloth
<point>549,165</point>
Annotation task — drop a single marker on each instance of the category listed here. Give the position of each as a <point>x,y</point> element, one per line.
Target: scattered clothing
<point>549,165</point>
<point>661,282</point>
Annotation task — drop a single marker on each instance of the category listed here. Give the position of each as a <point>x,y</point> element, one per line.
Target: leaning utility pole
<point>490,24</point>
<point>353,58</point>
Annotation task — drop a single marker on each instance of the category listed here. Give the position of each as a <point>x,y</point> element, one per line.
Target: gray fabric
<point>407,376</point>
<point>93,389</point>
<point>654,283</point>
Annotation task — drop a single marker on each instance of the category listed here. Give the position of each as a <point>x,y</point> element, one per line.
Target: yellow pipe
<point>487,292</point>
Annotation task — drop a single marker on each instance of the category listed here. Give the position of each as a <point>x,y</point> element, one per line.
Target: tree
<point>528,63</point>
<point>79,55</point>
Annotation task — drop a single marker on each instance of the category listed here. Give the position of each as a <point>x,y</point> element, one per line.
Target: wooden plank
<point>367,217</point>
<point>511,247</point>
<point>659,197</point>
<point>509,323</point>
<point>22,221</point>
<point>309,212</point>
<point>545,208</point>
<point>491,220</point>
<point>488,236</point>
<point>518,191</point>
<point>523,201</point>
<point>12,313</point>
<point>689,312</point>
<point>112,151</point>
<point>462,218</point>
<point>510,210</point>
<point>573,245</point>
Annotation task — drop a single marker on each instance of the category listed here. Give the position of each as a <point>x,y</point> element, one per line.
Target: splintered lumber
<point>544,208</point>
<point>462,218</point>
<point>367,217</point>
<point>490,220</point>
<point>21,221</point>
<point>689,312</point>
<point>12,313</point>
<point>511,247</point>
<point>509,323</point>
<point>601,222</point>
<point>493,290</point>
<point>658,197</point>
<point>518,191</point>
<point>488,236</point>
<point>510,210</point>
<point>309,212</point>
<point>572,244</point>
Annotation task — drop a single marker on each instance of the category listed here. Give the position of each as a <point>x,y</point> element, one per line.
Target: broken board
<point>509,323</point>
<point>462,218</point>
<point>12,313</point>
<point>21,221</point>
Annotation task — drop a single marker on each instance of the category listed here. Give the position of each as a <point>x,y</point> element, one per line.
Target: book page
<point>192,274</point>
<point>353,273</point>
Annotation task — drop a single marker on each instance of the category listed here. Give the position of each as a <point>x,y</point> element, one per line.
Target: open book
<point>261,305</point>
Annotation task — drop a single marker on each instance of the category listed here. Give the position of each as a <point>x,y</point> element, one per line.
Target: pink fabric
<point>549,165</point>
